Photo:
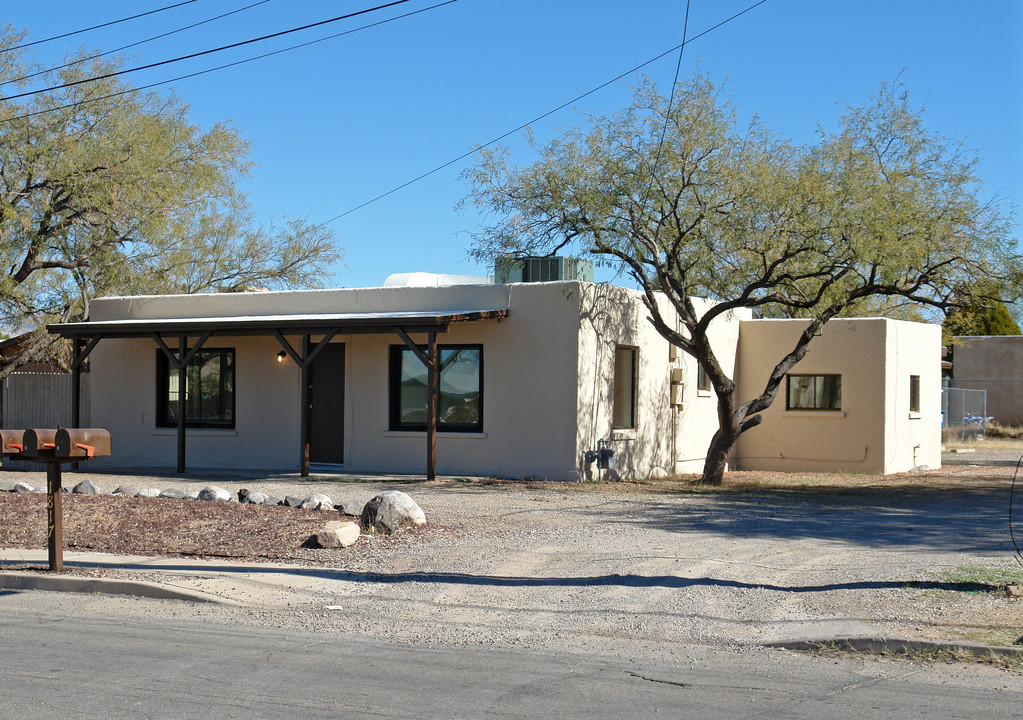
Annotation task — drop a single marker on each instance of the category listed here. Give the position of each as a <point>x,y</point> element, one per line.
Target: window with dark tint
<point>914,393</point>
<point>814,392</point>
<point>623,412</point>
<point>460,407</point>
<point>702,381</point>
<point>208,392</point>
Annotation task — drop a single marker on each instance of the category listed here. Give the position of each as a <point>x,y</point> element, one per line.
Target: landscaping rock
<point>173,493</point>
<point>271,500</point>
<point>242,494</point>
<point>149,492</point>
<point>292,501</point>
<point>126,490</point>
<point>351,508</point>
<point>212,493</point>
<point>192,495</point>
<point>337,534</point>
<point>389,512</point>
<point>253,498</point>
<point>6,486</point>
<point>86,487</point>
<point>24,487</point>
<point>317,501</point>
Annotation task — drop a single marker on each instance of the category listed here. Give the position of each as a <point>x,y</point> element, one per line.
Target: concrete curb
<point>896,645</point>
<point>133,588</point>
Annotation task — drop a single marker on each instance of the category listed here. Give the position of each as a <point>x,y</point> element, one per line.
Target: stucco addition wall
<point>666,439</point>
<point>873,432</point>
<point>994,364</point>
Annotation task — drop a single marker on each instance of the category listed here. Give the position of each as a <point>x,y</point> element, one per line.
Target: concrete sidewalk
<point>226,582</point>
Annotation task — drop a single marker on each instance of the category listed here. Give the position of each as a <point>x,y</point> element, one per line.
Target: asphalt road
<point>62,658</point>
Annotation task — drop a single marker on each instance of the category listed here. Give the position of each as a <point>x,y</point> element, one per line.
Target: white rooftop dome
<point>425,279</point>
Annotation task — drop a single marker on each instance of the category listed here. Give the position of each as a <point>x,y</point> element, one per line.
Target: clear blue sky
<point>340,122</point>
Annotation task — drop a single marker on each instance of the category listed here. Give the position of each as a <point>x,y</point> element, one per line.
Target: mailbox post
<point>55,448</point>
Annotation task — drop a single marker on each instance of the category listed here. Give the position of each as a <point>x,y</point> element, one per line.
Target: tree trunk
<point>717,455</point>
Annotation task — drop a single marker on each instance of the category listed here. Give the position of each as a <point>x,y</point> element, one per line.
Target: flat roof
<point>290,324</point>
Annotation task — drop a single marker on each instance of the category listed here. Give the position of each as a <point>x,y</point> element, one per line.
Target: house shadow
<point>974,519</point>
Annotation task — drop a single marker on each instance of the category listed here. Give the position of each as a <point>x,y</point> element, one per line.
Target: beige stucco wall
<point>530,402</point>
<point>666,439</point>
<point>873,432</point>
<point>994,364</point>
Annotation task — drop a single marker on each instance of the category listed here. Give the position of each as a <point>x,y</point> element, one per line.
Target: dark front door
<point>327,405</point>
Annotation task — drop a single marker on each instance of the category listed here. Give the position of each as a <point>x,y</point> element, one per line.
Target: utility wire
<point>205,52</point>
<point>131,90</point>
<point>671,97</point>
<point>96,27</point>
<point>479,147</point>
<point>134,44</point>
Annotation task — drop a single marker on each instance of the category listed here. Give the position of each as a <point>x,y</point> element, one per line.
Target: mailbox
<point>81,442</point>
<point>39,443</point>
<point>12,441</point>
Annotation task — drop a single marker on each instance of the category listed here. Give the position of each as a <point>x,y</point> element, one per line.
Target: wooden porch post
<point>433,381</point>
<point>304,416</point>
<point>182,368</point>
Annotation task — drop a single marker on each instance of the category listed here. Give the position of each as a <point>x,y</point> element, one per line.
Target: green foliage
<point>878,214</point>
<point>105,190</point>
<point>989,319</point>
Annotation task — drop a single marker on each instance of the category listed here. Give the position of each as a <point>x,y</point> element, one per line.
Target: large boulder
<point>212,493</point>
<point>317,501</point>
<point>389,512</point>
<point>86,487</point>
<point>337,534</point>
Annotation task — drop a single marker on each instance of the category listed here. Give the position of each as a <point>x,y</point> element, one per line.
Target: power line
<point>96,27</point>
<point>134,44</point>
<point>479,147</point>
<point>129,91</point>
<point>205,52</point>
<point>671,96</point>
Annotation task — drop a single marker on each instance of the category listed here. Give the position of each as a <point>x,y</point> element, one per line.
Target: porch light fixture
<point>281,355</point>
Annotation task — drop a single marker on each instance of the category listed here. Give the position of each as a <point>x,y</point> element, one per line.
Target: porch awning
<point>314,324</point>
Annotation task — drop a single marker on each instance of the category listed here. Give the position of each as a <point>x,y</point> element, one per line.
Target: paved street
<point>63,657</point>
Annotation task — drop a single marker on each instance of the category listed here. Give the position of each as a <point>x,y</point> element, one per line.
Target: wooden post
<point>54,517</point>
<point>182,377</point>
<point>304,415</point>
<point>433,394</point>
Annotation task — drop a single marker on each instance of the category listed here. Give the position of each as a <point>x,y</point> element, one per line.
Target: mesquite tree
<point>693,202</point>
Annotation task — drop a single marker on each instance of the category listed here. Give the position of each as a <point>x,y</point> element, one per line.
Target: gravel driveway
<point>618,574</point>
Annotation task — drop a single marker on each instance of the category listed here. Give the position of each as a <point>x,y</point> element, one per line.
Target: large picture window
<point>623,411</point>
<point>208,392</point>
<point>460,406</point>
<point>814,392</point>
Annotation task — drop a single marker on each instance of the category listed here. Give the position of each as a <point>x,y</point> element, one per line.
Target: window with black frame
<point>813,392</point>
<point>208,393</point>
<point>460,406</point>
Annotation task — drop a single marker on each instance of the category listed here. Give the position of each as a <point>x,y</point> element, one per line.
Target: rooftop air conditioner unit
<point>542,269</point>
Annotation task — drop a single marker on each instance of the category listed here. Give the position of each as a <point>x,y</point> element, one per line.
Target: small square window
<point>813,392</point>
<point>702,381</point>
<point>914,393</point>
<point>623,413</point>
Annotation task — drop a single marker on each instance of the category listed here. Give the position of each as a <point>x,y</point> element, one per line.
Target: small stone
<point>319,499</point>
<point>1014,591</point>
<point>292,501</point>
<point>23,488</point>
<point>126,490</point>
<point>6,486</point>
<point>86,487</point>
<point>149,492</point>
<point>254,498</point>
<point>337,534</point>
<point>173,494</point>
<point>271,500</point>
<point>351,508</point>
<point>212,493</point>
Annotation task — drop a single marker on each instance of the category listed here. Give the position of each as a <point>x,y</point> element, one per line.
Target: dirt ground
<point>548,564</point>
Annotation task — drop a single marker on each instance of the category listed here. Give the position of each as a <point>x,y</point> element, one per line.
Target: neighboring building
<point>532,376</point>
<point>993,363</point>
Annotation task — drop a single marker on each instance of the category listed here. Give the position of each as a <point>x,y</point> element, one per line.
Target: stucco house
<point>530,376</point>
